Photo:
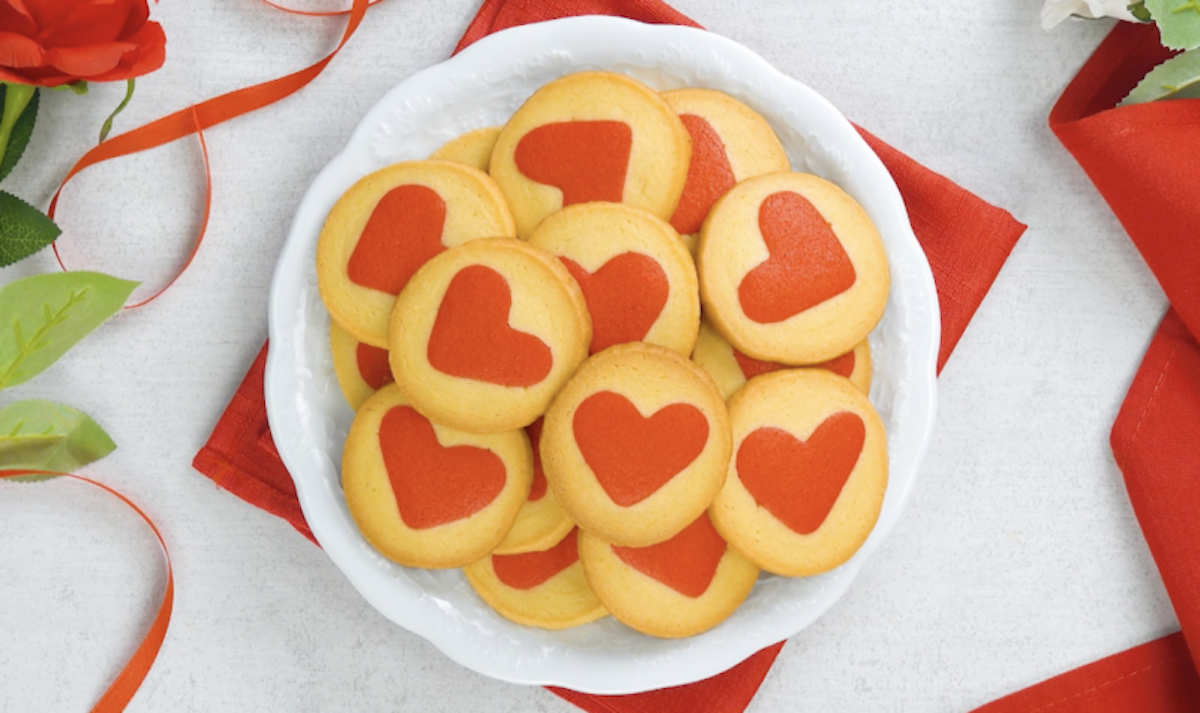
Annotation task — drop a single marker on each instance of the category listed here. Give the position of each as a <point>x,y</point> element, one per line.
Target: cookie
<point>791,269</point>
<point>638,278</point>
<point>636,445</point>
<point>681,587</point>
<point>388,224</point>
<point>428,496</point>
<point>486,333</point>
<point>546,589</point>
<point>730,368</point>
<point>591,136</point>
<point>473,148</point>
<point>361,369</point>
<point>808,473</point>
<point>541,522</point>
<point>730,143</point>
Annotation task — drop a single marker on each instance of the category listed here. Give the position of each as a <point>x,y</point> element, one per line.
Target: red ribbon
<point>205,115</point>
<point>130,679</point>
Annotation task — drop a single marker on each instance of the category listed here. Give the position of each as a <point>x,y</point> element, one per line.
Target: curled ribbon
<point>195,119</point>
<point>130,679</point>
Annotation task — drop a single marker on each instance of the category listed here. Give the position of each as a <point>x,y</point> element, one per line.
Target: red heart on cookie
<point>472,339</point>
<point>631,455</point>
<point>751,367</point>
<point>373,365</point>
<point>709,176</point>
<point>528,570</point>
<point>586,160</point>
<point>402,234</point>
<point>686,563</point>
<point>434,485</point>
<point>799,481</point>
<point>807,263</point>
<point>625,297</point>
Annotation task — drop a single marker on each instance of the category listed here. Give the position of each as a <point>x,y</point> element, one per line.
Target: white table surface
<point>1019,556</point>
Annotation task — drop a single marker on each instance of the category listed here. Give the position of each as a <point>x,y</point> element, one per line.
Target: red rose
<point>52,42</point>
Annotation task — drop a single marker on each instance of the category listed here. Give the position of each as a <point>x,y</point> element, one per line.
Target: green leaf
<point>80,87</point>
<point>23,229</point>
<point>43,316</point>
<point>44,435</point>
<point>1178,22</point>
<point>1177,78</point>
<point>1138,10</point>
<point>22,130</point>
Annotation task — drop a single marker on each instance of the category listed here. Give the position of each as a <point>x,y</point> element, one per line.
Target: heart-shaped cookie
<point>625,297</point>
<point>632,455</point>
<point>586,160</point>
<point>709,176</point>
<point>807,263</point>
<point>798,481</point>
<point>434,485</point>
<point>529,569</point>
<point>402,234</point>
<point>686,563</point>
<point>472,339</point>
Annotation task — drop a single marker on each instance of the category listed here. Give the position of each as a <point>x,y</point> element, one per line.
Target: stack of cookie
<point>608,358</point>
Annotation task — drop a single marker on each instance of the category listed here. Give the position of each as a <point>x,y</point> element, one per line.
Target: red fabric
<point>1144,160</point>
<point>1157,677</point>
<point>966,239</point>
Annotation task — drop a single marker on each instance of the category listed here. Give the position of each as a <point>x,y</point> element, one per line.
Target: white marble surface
<point>1019,556</point>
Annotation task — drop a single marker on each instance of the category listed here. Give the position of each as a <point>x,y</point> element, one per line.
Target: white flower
<point>1055,11</point>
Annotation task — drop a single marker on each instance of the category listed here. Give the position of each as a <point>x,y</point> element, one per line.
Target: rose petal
<point>150,55</point>
<point>48,13</point>
<point>89,61</point>
<point>39,77</point>
<point>139,12</point>
<point>88,24</point>
<point>19,52</point>
<point>19,7</point>
<point>15,19</point>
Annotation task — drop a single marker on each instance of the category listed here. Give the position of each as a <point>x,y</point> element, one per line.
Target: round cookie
<point>428,496</point>
<point>541,522</point>
<point>486,333</point>
<point>473,148</point>
<point>681,587</point>
<point>591,136</point>
<point>638,278</point>
<point>636,445</point>
<point>730,143</point>
<point>791,269</point>
<point>361,369</point>
<point>730,368</point>
<point>808,473</point>
<point>547,588</point>
<point>388,224</point>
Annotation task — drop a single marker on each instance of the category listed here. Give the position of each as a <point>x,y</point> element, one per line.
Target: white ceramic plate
<point>483,86</point>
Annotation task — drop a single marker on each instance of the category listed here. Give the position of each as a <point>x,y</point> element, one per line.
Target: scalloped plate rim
<point>692,660</point>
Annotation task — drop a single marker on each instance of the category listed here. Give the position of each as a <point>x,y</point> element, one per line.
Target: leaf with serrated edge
<point>23,229</point>
<point>1178,21</point>
<point>1177,78</point>
<point>21,132</point>
<point>44,435</point>
<point>43,316</point>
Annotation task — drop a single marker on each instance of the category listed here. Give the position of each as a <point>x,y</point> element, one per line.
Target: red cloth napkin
<point>1145,161</point>
<point>966,240</point>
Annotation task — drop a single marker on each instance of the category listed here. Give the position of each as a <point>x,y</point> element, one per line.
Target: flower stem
<point>16,98</point>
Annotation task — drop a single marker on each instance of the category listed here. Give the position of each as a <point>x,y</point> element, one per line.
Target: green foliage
<point>44,435</point>
<point>43,316</point>
<point>23,229</point>
<point>1178,21</point>
<point>1177,78</point>
<point>21,131</point>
